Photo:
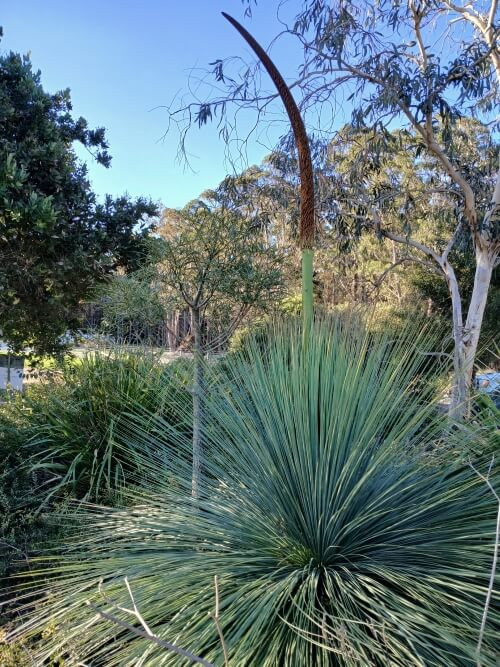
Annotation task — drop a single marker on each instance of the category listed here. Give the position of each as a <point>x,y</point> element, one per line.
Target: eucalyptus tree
<point>387,186</point>
<point>417,64</point>
<point>267,195</point>
<point>211,257</point>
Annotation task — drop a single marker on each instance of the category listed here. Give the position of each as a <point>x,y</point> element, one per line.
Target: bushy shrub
<point>332,543</point>
<point>12,656</point>
<point>24,530</point>
<point>486,421</point>
<point>75,420</point>
<point>17,488</point>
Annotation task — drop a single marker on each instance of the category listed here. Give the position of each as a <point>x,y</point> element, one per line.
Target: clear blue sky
<point>123,58</point>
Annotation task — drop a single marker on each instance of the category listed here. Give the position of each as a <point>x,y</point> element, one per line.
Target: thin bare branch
<point>216,618</point>
<point>377,283</point>
<point>136,611</point>
<point>406,240</point>
<point>451,242</point>
<point>153,638</point>
<point>486,480</point>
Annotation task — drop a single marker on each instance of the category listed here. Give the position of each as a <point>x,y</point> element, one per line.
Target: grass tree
<point>334,539</point>
<point>210,256</point>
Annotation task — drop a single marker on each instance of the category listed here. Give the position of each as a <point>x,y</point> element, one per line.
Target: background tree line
<point>355,267</point>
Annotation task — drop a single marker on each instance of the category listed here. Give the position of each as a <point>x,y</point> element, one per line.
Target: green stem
<point>307,289</point>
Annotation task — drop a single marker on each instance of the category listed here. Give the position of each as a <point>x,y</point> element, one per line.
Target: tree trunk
<point>198,389</point>
<point>458,402</point>
<point>477,305</point>
<point>466,338</point>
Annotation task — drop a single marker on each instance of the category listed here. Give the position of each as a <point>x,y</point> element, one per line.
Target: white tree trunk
<point>458,403</point>
<point>466,338</point>
<point>482,279</point>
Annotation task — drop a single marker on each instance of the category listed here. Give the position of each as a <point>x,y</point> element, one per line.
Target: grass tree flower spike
<point>307,223</point>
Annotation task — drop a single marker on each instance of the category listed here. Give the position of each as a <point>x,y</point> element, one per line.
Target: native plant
<point>307,214</point>
<point>333,541</point>
<point>212,257</point>
<point>72,423</point>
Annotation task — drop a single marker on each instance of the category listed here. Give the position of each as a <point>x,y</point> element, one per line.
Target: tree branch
<point>432,145</point>
<point>411,242</point>
<point>486,480</point>
<point>451,242</point>
<point>417,21</point>
<point>150,637</point>
<point>484,25</point>
<point>146,632</point>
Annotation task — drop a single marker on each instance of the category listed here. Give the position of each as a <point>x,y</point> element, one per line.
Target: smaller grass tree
<point>212,258</point>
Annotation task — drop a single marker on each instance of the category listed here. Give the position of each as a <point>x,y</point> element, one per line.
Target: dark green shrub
<point>19,524</point>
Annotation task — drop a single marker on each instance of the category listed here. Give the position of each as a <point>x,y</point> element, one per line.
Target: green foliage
<point>213,260</point>
<point>129,299</point>
<point>239,339</point>
<point>12,656</point>
<point>75,421</point>
<point>24,530</point>
<point>399,76</point>
<point>258,328</point>
<point>333,544</point>
<point>56,240</point>
<point>17,489</point>
<point>292,305</point>
<point>486,416</point>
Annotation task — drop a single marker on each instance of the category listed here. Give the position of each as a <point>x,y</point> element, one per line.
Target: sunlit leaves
<point>56,240</point>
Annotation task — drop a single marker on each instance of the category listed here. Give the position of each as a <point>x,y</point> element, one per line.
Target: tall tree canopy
<point>56,239</point>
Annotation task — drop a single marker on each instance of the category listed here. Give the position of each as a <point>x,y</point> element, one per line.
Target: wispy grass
<point>74,421</point>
